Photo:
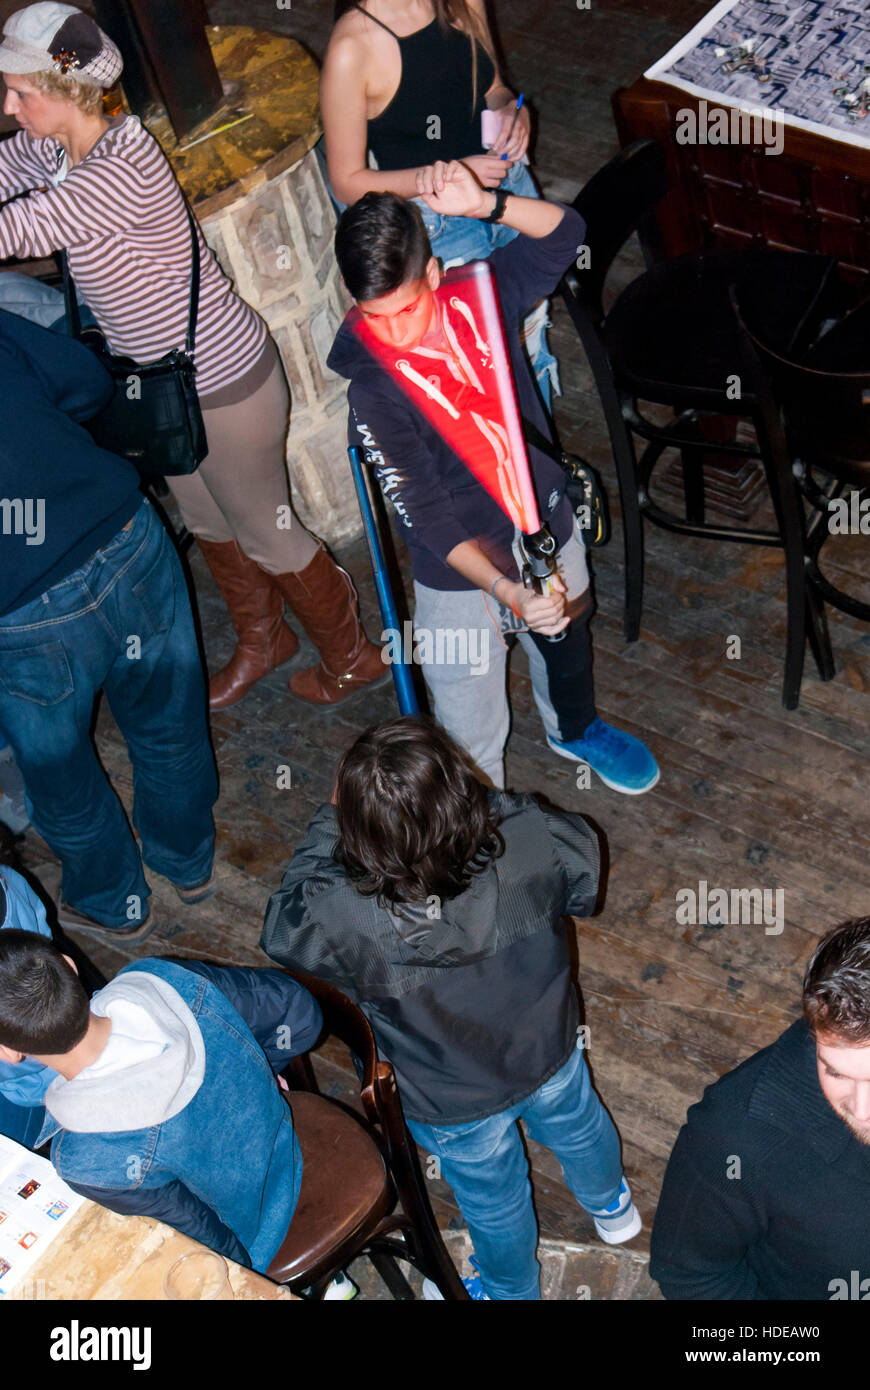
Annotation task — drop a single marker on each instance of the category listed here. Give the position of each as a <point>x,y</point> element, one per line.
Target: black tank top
<point>431,116</point>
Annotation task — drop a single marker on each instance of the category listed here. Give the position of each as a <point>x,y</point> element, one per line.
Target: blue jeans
<point>122,624</point>
<point>22,1123</point>
<point>485,1164</point>
<point>42,304</point>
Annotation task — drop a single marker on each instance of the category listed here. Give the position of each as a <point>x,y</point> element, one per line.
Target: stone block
<point>275,260</point>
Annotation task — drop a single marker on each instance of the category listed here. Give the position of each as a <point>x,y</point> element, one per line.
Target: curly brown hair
<point>413,820</point>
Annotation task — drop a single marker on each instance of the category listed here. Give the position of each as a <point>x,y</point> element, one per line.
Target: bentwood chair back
<point>816,429</point>
<point>670,338</point>
<point>362,1189</point>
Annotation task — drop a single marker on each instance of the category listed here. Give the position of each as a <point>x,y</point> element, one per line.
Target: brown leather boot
<point>324,600</point>
<point>264,639</point>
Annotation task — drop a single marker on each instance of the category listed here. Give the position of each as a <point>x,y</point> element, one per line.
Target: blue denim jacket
<point>229,1164</point>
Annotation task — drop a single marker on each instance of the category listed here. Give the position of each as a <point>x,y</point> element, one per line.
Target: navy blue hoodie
<point>436,497</point>
<point>61,497</point>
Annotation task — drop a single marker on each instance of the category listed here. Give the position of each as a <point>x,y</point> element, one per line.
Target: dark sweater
<point>436,497</point>
<point>767,1192</point>
<point>476,1008</point>
<point>50,468</point>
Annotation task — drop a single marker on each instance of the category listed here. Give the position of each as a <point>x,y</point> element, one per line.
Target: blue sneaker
<point>621,760</point>
<point>621,1220</point>
<point>473,1287</point>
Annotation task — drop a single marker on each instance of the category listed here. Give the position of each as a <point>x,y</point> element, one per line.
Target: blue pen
<point>520,99</point>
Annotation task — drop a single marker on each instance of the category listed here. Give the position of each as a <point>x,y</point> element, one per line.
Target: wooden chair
<point>356,1171</point>
<point>814,420</point>
<point>671,339</point>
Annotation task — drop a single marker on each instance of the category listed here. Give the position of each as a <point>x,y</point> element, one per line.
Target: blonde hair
<point>85,95</point>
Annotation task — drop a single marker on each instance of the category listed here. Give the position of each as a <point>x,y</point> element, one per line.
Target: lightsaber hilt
<point>539,550</point>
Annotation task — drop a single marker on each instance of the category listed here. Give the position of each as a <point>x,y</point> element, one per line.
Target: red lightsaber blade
<point>471,401</point>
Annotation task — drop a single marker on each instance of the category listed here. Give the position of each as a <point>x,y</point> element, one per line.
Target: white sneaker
<point>620,1221</point>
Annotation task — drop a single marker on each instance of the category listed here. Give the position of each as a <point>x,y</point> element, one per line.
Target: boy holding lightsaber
<point>419,359</point>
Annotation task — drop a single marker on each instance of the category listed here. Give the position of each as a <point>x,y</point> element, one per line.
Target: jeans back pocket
<point>40,674</point>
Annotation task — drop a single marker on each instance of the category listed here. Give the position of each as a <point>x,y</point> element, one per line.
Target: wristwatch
<point>497,213</point>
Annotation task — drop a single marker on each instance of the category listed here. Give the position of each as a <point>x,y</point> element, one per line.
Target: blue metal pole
<point>402,678</point>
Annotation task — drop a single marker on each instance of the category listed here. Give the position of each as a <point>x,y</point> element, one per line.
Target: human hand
<point>513,143</point>
<point>453,190</point>
<point>488,169</point>
<point>544,613</point>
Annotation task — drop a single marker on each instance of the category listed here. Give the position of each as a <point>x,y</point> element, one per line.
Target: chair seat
<point>345,1186</point>
<point>672,336</point>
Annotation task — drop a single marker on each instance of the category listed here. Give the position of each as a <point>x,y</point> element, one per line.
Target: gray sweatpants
<point>469,697</point>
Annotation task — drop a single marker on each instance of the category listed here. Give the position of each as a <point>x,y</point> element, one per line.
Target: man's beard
<point>860,1129</point>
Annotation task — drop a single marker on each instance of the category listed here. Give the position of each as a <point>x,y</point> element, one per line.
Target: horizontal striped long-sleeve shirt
<point>120,216</point>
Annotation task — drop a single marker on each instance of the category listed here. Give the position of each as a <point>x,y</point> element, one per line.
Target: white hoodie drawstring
<point>430,389</point>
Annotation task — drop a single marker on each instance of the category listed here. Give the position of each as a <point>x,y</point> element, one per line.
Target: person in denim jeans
<point>121,623</point>
<point>93,598</point>
<point>438,906</point>
<point>165,1102</point>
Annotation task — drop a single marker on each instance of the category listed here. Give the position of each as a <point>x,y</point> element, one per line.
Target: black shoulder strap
<point>194,283</point>
<point>74,323</point>
<point>377,21</point>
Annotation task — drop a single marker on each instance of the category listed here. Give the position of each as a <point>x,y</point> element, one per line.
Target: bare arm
<point>542,612</point>
<point>452,190</point>
<point>345,128</point>
<point>513,137</point>
<point>344,108</point>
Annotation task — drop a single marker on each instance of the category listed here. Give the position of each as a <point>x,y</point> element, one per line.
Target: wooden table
<point>815,196</point>
<point>103,1256</point>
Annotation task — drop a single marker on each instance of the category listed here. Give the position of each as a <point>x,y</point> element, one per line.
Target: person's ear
<point>8,1054</point>
<point>433,273</point>
<point>71,963</point>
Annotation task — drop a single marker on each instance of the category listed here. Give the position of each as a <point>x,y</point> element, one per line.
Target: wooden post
<point>167,58</point>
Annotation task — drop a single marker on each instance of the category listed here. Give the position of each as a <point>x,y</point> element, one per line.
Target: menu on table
<point>35,1206</point>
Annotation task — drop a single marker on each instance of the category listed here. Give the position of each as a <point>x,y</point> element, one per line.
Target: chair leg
<point>788,505</point>
<point>693,485</point>
<point>817,631</point>
<point>796,598</point>
<point>632,522</point>
<point>392,1276</point>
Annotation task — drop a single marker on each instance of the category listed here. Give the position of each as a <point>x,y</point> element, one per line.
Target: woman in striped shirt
<point>104,191</point>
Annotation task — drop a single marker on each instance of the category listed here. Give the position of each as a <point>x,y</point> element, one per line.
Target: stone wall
<point>275,243</point>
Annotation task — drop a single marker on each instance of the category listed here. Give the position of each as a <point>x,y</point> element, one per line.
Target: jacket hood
<point>347,353</point>
<point>458,932</point>
<point>431,933</point>
<point>150,1069</point>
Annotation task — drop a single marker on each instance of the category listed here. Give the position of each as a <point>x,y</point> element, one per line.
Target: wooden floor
<point>750,796</point>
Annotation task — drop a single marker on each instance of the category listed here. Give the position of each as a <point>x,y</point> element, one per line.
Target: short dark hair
<point>380,244</point>
<point>413,820</point>
<point>836,995</point>
<point>44,1009</point>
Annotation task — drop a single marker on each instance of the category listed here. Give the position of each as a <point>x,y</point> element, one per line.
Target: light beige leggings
<point>239,490</point>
